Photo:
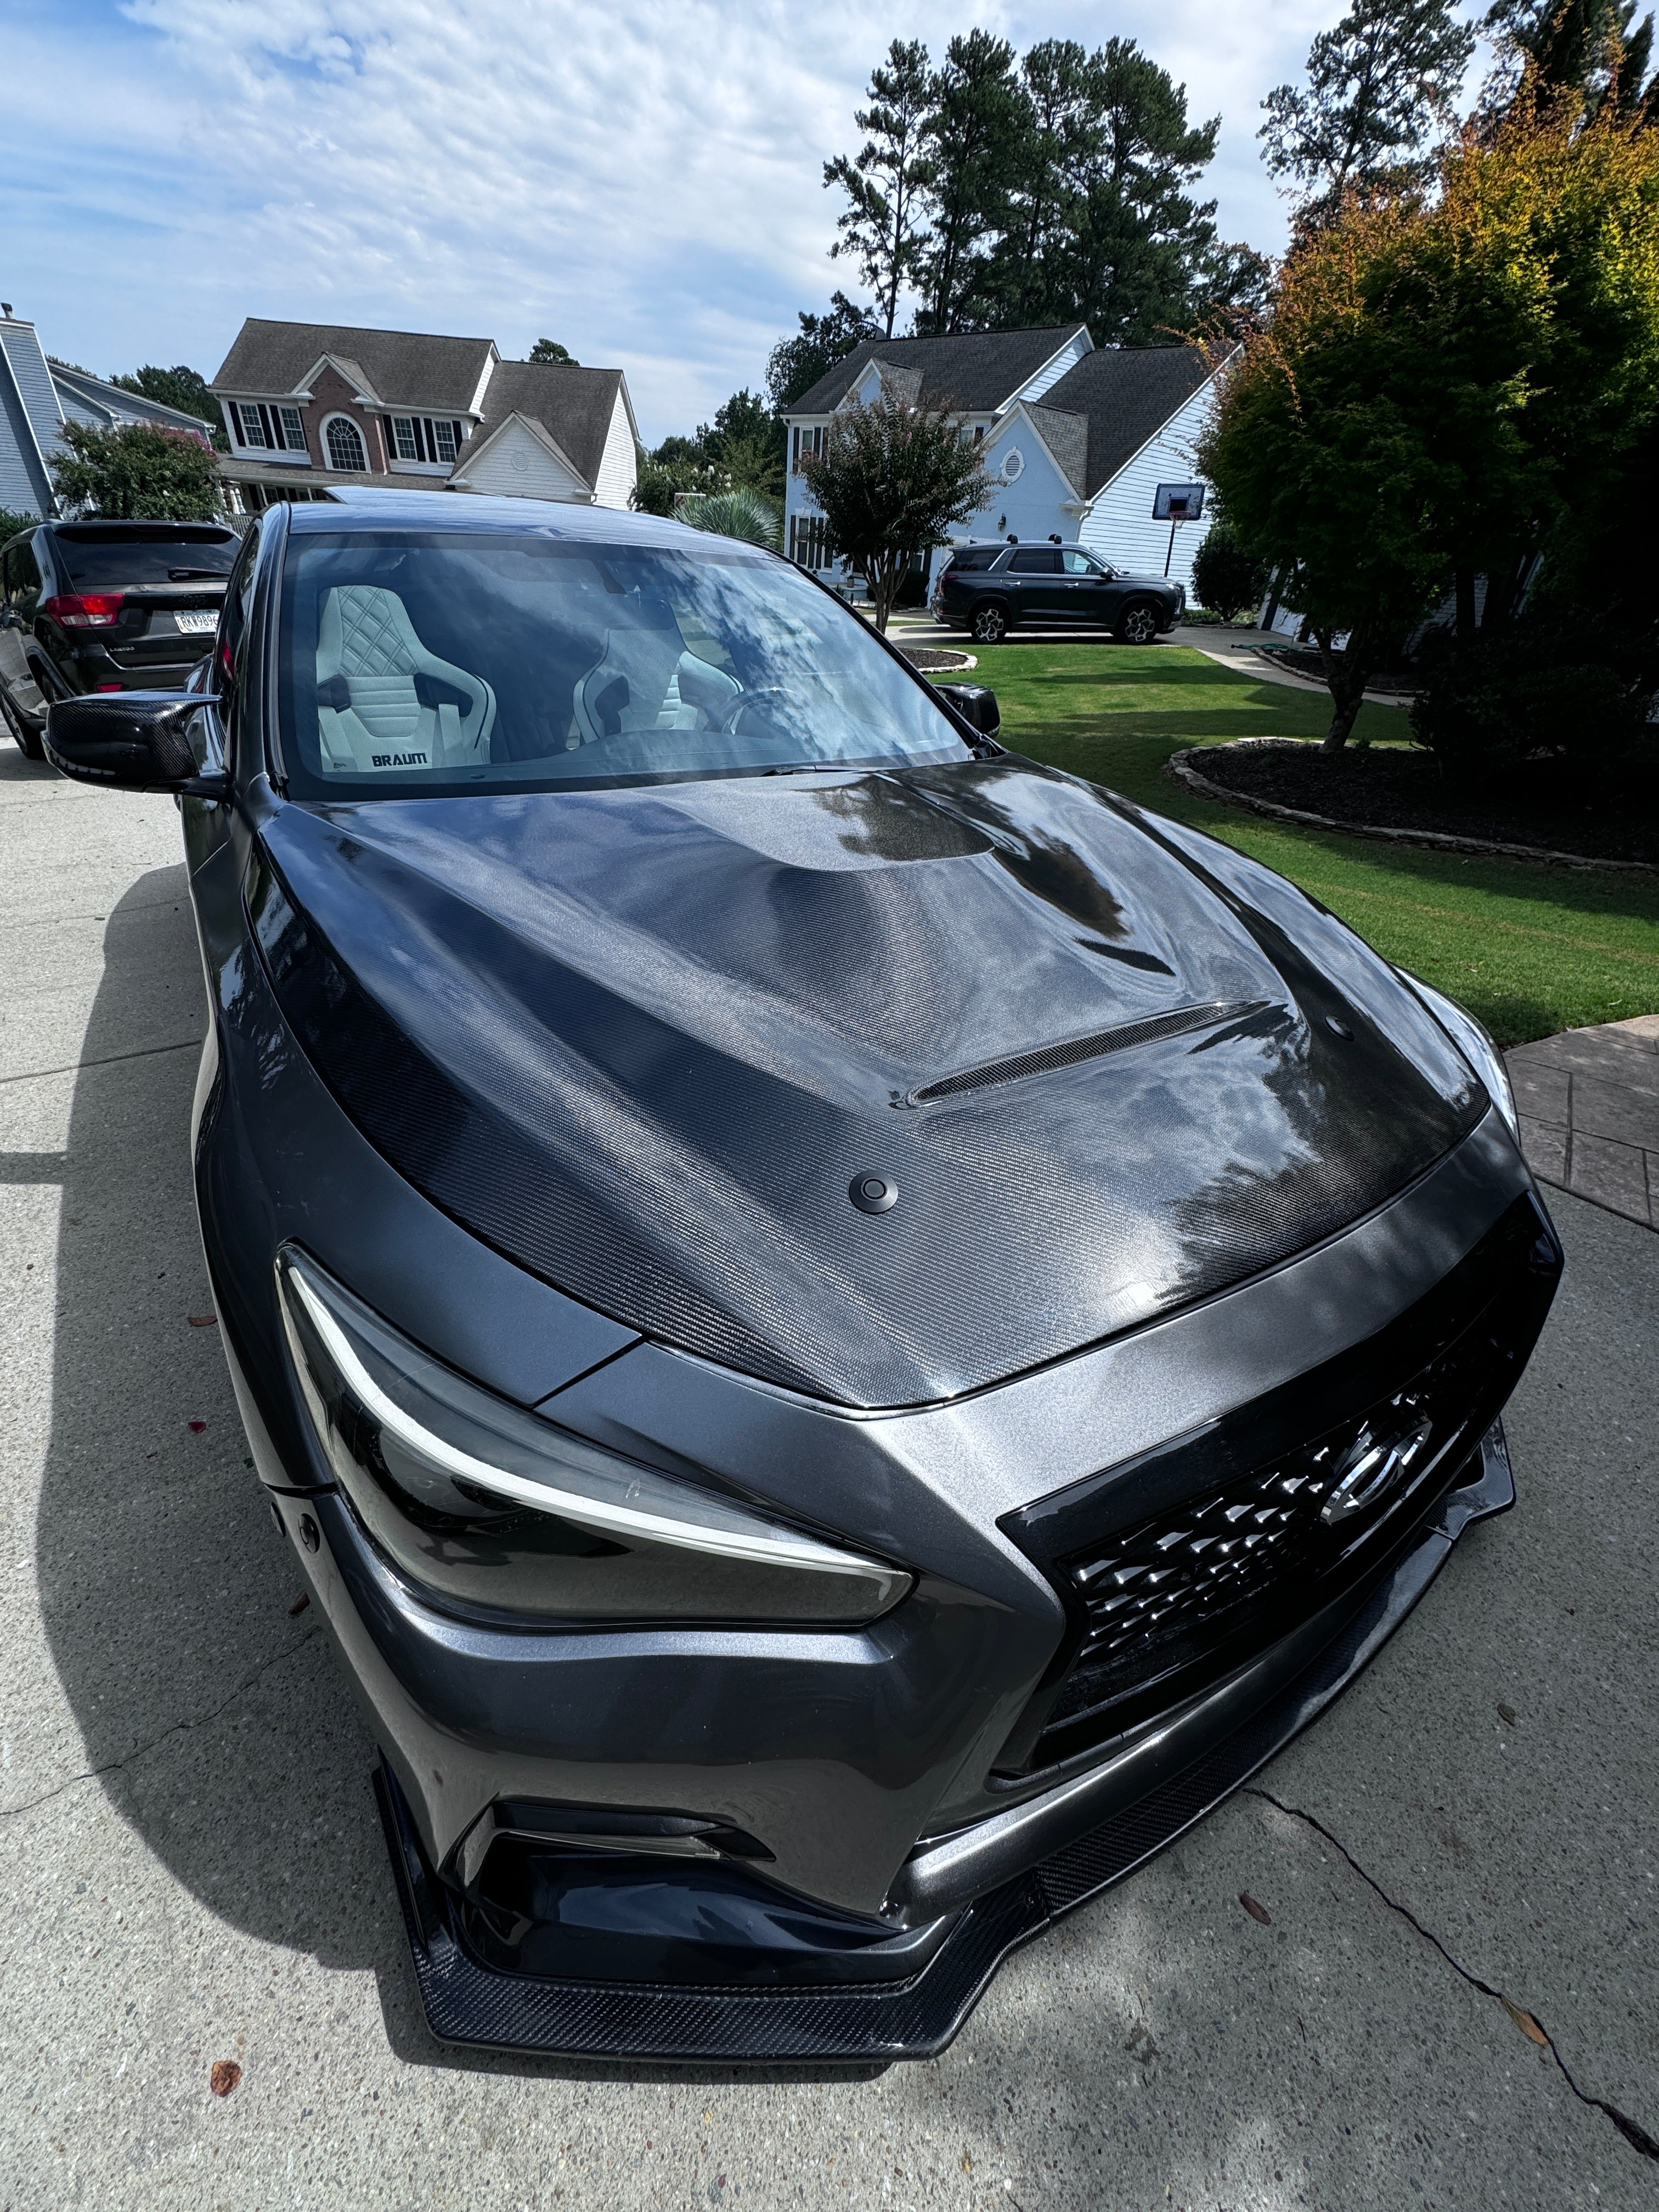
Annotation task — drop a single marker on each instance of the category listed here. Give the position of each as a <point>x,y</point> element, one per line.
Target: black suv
<point>987,589</point>
<point>104,606</point>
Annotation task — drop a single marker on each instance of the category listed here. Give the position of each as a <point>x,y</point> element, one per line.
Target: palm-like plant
<point>737,514</point>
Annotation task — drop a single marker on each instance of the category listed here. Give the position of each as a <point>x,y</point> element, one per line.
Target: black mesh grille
<point>1048,1057</point>
<point>1216,1546</point>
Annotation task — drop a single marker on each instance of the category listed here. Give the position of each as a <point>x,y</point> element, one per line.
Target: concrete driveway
<point>1462,1849</point>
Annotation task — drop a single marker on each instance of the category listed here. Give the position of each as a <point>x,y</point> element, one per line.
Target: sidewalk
<point>1589,1113</point>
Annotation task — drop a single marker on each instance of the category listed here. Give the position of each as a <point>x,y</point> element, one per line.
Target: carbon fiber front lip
<point>467,2003</point>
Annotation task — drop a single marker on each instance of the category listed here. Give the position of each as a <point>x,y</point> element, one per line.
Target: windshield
<point>423,663</point>
<point>143,556</point>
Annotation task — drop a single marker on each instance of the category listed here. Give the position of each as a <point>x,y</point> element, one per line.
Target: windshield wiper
<point>806,768</point>
<point>179,575</point>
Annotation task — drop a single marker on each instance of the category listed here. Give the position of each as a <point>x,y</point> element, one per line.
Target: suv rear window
<point>143,555</point>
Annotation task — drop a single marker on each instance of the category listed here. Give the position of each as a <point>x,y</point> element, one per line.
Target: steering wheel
<point>726,727</point>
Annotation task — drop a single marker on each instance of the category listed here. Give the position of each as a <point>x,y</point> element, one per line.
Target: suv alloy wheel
<point>1138,624</point>
<point>990,623</point>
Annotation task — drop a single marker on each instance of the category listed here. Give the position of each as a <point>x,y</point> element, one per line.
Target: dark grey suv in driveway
<point>104,606</point>
<point>849,1330</point>
<point>988,589</point>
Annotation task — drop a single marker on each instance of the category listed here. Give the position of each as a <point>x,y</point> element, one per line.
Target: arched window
<point>345,445</point>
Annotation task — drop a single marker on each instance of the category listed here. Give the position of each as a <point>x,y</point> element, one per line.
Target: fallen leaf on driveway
<point>1256,1912</point>
<point>1524,2020</point>
<point>299,1604</point>
<point>195,1427</point>
<point>203,1321</point>
<point>1507,1713</point>
<point>224,2077</point>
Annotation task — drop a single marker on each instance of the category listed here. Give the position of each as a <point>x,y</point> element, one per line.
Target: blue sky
<point>640,179</point>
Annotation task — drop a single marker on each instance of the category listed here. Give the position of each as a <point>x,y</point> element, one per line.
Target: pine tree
<point>977,135</point>
<point>1595,48</point>
<point>884,181</point>
<point>1380,86</point>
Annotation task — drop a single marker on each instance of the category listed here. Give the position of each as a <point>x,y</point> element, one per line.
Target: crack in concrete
<point>1632,2131</point>
<point>141,1750</point>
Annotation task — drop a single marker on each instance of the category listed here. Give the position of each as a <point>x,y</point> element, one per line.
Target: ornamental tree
<point>892,480</point>
<point>138,473</point>
<point>1444,379</point>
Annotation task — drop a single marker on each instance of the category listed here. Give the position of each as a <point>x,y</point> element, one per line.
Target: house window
<point>345,445</point>
<point>270,429</point>
<point>809,546</point>
<point>804,443</point>
<point>424,437</point>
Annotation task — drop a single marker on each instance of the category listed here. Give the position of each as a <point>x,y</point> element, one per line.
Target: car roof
<point>371,509</point>
<point>100,526</point>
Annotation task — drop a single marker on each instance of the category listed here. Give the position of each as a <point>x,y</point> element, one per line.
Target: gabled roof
<point>1127,394</point>
<point>574,406</point>
<point>114,403</point>
<point>980,370</point>
<point>410,368</point>
<point>1064,435</point>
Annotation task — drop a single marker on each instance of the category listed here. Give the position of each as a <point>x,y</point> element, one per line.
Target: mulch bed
<point>1391,789</point>
<point>931,658</point>
<point>1304,660</point>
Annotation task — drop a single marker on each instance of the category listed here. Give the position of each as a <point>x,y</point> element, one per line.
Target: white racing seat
<point>645,680</point>
<point>384,704</point>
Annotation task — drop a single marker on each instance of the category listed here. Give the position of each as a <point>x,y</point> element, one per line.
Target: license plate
<point>199,623</point>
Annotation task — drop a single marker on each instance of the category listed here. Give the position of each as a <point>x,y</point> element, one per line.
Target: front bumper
<point>1173,1784</point>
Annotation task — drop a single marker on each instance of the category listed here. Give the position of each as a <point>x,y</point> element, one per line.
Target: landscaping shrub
<point>1555,690</point>
<point>137,472</point>
<point>1226,578</point>
<point>13,519</point>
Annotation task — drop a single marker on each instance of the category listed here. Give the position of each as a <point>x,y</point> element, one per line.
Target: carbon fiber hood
<point>642,1041</point>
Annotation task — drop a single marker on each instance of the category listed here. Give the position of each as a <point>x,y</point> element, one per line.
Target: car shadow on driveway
<point>215,1717</point>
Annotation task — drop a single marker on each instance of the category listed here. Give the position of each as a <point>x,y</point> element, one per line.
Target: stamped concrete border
<point>1179,765</point>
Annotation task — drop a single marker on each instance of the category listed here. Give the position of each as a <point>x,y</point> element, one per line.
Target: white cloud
<point>639,179</point>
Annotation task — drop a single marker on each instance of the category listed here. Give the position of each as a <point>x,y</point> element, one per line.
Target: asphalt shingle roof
<point>1067,437</point>
<point>1127,394</point>
<point>408,368</point>
<point>978,370</point>
<point>573,405</point>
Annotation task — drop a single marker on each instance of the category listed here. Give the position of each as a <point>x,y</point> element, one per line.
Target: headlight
<point>484,1504</point>
<point>1476,1046</point>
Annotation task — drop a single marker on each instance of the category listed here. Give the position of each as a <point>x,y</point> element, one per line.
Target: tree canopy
<point>550,349</point>
<point>183,387</point>
<point>1380,87</point>
<point>891,481</point>
<point>1004,191</point>
<point>797,363</point>
<point>1445,379</point>
<point>137,472</point>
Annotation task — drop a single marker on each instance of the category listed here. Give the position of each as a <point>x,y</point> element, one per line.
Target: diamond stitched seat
<point>385,703</point>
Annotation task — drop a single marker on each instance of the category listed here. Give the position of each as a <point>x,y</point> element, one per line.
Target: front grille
<point>1215,1547</point>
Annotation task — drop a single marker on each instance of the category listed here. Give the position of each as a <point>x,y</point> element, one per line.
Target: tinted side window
<point>1079,564</point>
<point>1035,561</point>
<point>974,557</point>
<point>22,576</point>
<point>233,620</point>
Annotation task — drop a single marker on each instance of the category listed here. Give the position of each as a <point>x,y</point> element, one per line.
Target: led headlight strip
<point>718,1530</point>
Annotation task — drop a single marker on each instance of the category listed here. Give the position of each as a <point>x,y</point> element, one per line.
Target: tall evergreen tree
<point>1380,85</point>
<point>1595,48</point>
<point>796,364</point>
<point>976,135</point>
<point>885,180</point>
<point>1063,136</point>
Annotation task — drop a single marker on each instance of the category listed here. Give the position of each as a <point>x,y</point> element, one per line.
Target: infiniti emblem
<point>1371,1470</point>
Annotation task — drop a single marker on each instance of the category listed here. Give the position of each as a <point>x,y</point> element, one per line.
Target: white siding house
<point>1076,439</point>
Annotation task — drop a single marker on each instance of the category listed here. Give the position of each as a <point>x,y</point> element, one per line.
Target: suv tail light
<point>85,610</point>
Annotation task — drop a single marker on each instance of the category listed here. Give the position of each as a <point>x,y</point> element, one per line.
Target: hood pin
<point>873,1194</point>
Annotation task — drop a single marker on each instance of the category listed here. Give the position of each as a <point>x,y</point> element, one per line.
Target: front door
<point>20,582</point>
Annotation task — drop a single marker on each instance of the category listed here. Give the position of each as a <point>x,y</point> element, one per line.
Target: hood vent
<point>1044,1058</point>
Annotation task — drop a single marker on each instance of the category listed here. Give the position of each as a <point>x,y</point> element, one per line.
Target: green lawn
<point>1529,947</point>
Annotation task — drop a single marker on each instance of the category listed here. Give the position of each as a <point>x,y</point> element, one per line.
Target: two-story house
<point>1076,439</point>
<point>309,405</point>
